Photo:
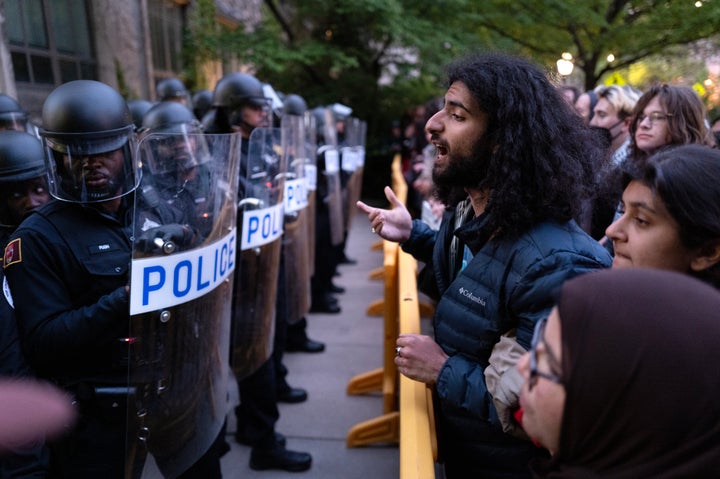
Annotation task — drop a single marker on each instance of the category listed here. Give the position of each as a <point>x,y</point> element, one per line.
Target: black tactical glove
<point>165,238</point>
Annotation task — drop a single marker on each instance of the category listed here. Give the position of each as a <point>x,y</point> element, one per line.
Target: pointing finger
<point>364,208</point>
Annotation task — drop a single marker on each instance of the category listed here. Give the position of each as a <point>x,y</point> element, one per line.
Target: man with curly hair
<point>514,168</point>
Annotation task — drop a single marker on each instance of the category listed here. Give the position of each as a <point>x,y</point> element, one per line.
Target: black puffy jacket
<point>508,284</point>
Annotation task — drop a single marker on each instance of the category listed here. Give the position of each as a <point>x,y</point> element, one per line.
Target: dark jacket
<point>69,291</point>
<point>509,283</point>
<point>68,282</point>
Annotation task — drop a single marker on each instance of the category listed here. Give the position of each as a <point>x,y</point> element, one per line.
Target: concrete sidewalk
<point>353,346</point>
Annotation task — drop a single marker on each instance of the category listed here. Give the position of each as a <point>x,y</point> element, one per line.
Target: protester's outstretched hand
<point>394,224</point>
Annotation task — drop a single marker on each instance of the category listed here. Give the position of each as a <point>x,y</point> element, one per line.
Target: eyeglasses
<point>653,117</point>
<point>538,335</point>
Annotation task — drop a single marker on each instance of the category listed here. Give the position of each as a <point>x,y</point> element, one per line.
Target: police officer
<point>201,103</point>
<point>67,266</point>
<point>22,188</point>
<point>179,163</point>
<point>12,116</point>
<point>172,89</point>
<point>138,108</point>
<point>240,106</point>
<point>297,338</point>
<point>23,185</point>
<point>323,299</point>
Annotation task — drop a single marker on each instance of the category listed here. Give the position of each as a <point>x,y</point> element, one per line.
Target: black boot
<point>305,346</point>
<point>278,457</point>
<point>326,303</point>
<point>291,395</point>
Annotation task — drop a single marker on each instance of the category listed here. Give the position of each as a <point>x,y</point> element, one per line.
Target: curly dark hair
<point>543,161</point>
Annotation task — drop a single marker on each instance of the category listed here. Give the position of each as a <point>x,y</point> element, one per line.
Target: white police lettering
<point>261,226</point>
<point>103,247</point>
<point>295,195</point>
<point>472,297</point>
<point>348,159</point>
<point>164,281</point>
<point>311,177</point>
<point>332,161</point>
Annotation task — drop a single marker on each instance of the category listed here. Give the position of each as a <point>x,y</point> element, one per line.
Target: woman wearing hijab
<point>617,382</point>
<point>671,214</point>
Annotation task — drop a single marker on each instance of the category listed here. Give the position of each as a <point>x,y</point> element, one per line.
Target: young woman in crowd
<point>671,214</point>
<point>664,116</point>
<point>667,115</point>
<point>609,374</point>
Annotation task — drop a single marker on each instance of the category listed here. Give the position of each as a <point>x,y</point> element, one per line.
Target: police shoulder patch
<point>13,252</point>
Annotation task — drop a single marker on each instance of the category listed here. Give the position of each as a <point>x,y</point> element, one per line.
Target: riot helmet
<point>172,89</point>
<point>201,101</point>
<point>342,115</point>
<point>320,116</point>
<point>138,108</point>
<point>325,124</point>
<point>90,142</point>
<point>235,90</point>
<point>173,141</point>
<point>21,156</point>
<point>23,185</point>
<point>294,105</point>
<point>12,116</point>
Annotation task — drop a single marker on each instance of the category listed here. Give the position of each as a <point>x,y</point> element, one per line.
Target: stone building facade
<point>129,44</point>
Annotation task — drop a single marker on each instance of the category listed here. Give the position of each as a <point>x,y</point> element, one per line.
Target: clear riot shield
<point>311,182</point>
<point>260,217</point>
<point>352,164</point>
<point>329,166</point>
<point>295,236</point>
<point>334,198</point>
<point>180,300</point>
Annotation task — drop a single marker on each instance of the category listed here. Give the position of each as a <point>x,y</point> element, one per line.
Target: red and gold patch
<point>13,252</point>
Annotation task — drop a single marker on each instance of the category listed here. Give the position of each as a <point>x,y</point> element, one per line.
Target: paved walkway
<point>353,346</point>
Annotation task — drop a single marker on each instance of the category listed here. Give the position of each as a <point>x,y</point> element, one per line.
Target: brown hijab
<point>641,367</point>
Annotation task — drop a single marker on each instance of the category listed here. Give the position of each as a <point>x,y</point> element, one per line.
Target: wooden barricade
<point>418,446</point>
<point>407,416</point>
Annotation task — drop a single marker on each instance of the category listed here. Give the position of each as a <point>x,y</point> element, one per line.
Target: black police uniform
<point>326,254</point>
<point>258,411</point>
<point>68,266</point>
<point>30,461</point>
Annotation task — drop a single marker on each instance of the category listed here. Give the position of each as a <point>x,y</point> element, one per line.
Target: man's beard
<point>461,172</point>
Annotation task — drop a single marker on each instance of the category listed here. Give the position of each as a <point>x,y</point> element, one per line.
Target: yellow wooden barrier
<point>386,427</point>
<point>407,405</point>
<point>418,446</point>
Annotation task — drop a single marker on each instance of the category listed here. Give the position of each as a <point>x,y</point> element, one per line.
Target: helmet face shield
<point>89,168</point>
<point>255,113</point>
<point>174,153</point>
<point>15,121</point>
